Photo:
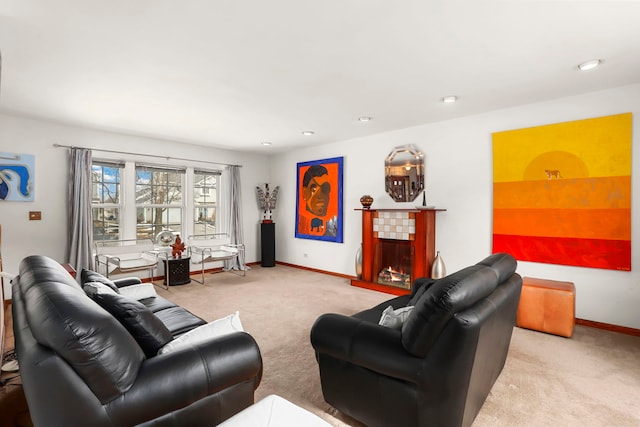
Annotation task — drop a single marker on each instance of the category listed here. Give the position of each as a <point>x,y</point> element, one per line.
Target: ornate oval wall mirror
<point>404,173</point>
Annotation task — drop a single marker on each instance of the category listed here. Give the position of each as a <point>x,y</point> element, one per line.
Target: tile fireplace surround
<point>398,246</point>
<point>396,225</point>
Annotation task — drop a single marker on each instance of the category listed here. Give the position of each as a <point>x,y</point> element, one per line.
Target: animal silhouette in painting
<point>316,224</point>
<point>552,173</point>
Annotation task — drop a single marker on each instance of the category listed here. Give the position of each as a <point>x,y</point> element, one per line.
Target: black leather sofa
<point>81,367</point>
<point>438,367</point>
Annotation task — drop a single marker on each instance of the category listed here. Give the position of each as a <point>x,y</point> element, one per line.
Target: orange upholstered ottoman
<point>547,306</point>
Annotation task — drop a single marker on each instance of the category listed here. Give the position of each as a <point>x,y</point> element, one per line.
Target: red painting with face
<point>319,200</point>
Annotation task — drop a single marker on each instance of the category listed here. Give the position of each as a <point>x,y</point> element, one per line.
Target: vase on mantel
<point>438,269</point>
<point>359,263</point>
<point>366,201</point>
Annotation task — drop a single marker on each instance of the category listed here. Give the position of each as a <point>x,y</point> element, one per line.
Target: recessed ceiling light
<point>589,65</point>
<point>365,119</point>
<point>449,99</point>
<point>308,132</point>
<point>266,143</point>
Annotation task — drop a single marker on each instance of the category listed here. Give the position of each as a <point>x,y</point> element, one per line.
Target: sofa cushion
<point>88,338</point>
<point>503,264</point>
<point>373,314</point>
<point>157,303</point>
<point>44,270</point>
<point>149,332</point>
<point>418,289</point>
<point>441,301</point>
<point>92,288</point>
<point>395,318</point>
<point>216,328</point>
<point>93,276</point>
<point>139,291</point>
<point>178,320</point>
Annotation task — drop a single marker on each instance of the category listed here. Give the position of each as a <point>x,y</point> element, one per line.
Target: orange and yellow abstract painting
<point>562,193</point>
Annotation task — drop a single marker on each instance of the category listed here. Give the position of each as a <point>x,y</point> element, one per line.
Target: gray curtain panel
<point>236,231</point>
<point>80,230</point>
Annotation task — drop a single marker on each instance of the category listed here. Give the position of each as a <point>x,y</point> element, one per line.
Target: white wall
<point>459,178</point>
<point>21,237</point>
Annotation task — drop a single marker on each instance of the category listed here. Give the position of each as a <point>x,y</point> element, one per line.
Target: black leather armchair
<point>81,367</point>
<point>438,368</point>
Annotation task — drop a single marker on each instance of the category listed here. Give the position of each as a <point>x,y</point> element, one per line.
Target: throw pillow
<point>216,328</point>
<point>139,291</point>
<point>92,276</point>
<point>93,288</point>
<point>394,318</point>
<point>149,331</point>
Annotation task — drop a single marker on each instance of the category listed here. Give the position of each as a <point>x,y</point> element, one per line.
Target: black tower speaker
<point>268,237</point>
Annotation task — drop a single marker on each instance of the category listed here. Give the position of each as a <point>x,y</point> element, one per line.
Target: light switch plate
<point>35,215</point>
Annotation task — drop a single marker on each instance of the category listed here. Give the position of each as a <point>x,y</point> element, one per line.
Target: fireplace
<point>398,247</point>
<point>393,261</point>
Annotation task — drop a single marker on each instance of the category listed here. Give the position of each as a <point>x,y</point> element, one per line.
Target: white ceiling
<point>234,73</point>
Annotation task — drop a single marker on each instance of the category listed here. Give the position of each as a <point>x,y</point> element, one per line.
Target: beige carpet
<point>590,380</point>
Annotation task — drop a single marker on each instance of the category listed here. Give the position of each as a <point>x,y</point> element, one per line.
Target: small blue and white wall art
<point>16,177</point>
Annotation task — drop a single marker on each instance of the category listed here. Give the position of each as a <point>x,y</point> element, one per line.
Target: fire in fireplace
<point>389,276</point>
<point>394,259</point>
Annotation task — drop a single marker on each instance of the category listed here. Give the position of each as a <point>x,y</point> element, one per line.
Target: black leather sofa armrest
<point>365,344</point>
<point>127,281</point>
<point>175,380</point>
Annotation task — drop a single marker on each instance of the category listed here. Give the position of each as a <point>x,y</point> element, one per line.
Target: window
<point>106,202</point>
<point>205,201</point>
<point>138,201</point>
<point>159,200</point>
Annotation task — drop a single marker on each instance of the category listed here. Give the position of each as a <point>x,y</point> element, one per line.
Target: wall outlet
<point>35,215</point>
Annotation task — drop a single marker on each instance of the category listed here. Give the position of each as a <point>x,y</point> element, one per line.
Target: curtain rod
<point>146,155</point>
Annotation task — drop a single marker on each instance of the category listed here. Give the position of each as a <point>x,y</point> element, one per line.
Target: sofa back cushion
<point>96,346</point>
<point>62,317</point>
<point>40,269</point>
<point>441,301</point>
<point>502,263</point>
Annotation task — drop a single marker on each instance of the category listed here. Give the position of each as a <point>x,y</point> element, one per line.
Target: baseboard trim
<point>609,327</point>
<point>330,273</point>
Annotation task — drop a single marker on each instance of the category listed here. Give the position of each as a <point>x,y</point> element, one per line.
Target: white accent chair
<point>126,256</point>
<point>210,248</point>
